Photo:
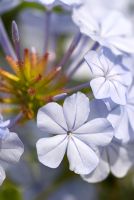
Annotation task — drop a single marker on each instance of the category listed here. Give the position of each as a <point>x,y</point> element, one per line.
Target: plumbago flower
<point>70,130</point>
<point>116,158</point>
<point>11,148</point>
<point>108,77</point>
<point>122,117</point>
<point>104,30</point>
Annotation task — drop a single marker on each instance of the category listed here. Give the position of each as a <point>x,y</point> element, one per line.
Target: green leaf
<point>9,190</point>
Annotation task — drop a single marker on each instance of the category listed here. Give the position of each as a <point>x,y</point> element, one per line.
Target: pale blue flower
<point>116,158</point>
<point>103,29</point>
<point>70,131</point>
<point>108,77</point>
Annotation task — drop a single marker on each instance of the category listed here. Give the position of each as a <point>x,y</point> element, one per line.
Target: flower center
<point>69,133</point>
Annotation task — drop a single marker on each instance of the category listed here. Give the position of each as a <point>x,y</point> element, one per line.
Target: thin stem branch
<point>62,96</point>
<point>5,42</point>
<point>15,120</point>
<point>71,49</point>
<point>79,87</point>
<point>72,72</point>
<point>59,97</point>
<point>47,29</point>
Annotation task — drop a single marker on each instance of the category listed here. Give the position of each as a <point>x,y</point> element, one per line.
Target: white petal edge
<point>101,172</point>
<point>76,110</point>
<point>50,119</point>
<point>11,148</point>
<point>82,159</point>
<point>52,150</point>
<point>2,175</point>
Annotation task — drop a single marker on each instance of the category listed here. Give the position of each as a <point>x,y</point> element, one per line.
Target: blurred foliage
<point>117,189</point>
<point>11,15</point>
<point>10,191</point>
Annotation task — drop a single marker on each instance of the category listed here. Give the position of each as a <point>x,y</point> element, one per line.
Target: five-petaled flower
<point>108,77</point>
<point>70,130</point>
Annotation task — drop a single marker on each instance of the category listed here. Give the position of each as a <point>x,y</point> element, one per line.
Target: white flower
<point>123,121</point>
<point>116,158</point>
<point>11,148</point>
<point>105,6</point>
<point>70,130</point>
<point>6,5</point>
<point>106,30</point>
<point>109,78</point>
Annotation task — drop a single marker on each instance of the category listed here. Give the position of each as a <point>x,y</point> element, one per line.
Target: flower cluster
<point>92,122</point>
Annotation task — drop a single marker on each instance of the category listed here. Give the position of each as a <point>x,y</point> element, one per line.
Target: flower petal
<point>118,92</point>
<point>86,22</point>
<point>100,87</point>
<point>119,159</point>
<point>101,172</point>
<point>11,148</point>
<point>130,112</point>
<point>115,112</point>
<point>96,132</point>
<point>76,110</point>
<point>82,159</point>
<point>110,28</point>
<point>98,109</point>
<point>50,119</point>
<point>4,124</point>
<point>123,44</point>
<point>94,63</point>
<point>120,124</point>
<point>2,175</point>
<point>51,150</point>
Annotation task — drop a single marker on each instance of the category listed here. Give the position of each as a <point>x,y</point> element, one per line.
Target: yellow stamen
<point>8,75</point>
